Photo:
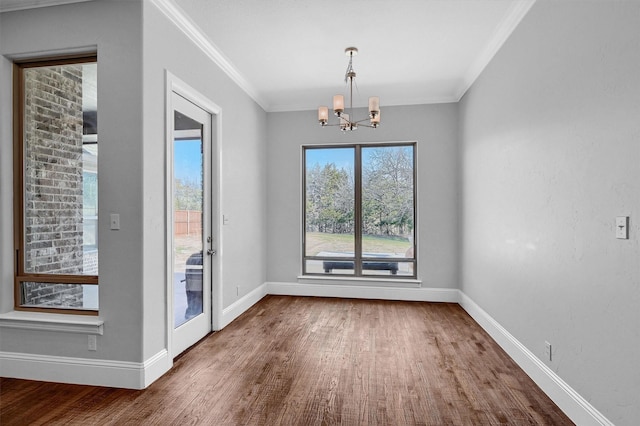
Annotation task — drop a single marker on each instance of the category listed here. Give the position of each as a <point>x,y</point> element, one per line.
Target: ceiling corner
<point>180,19</point>
<point>503,31</point>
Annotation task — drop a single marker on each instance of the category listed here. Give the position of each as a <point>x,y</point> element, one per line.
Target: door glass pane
<point>329,208</point>
<point>188,208</point>
<point>387,206</point>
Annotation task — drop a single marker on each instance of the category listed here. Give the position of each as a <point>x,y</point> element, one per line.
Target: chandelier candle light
<point>346,121</point>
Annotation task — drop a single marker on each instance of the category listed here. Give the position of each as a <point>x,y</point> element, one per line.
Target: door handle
<point>211,252</point>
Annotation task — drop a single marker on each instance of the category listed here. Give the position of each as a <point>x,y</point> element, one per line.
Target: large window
<point>359,210</point>
<point>56,185</point>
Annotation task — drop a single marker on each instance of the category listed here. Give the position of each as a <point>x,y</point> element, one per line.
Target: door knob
<point>211,252</point>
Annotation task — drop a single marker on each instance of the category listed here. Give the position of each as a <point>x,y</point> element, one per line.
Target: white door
<point>193,246</point>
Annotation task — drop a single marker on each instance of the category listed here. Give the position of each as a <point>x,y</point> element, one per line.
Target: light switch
<point>115,221</point>
<point>622,227</point>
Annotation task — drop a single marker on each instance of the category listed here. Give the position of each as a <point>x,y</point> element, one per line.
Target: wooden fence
<point>187,222</point>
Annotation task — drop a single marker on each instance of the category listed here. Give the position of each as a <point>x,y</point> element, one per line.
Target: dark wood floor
<point>314,361</point>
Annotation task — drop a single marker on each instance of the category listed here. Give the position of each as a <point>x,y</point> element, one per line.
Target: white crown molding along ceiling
<point>516,11</point>
<point>503,31</point>
<point>13,5</point>
<point>472,65</point>
<point>176,15</point>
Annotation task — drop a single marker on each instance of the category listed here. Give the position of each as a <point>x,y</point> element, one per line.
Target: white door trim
<point>178,86</point>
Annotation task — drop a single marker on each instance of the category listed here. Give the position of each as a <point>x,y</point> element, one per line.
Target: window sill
<point>363,281</point>
<point>52,322</point>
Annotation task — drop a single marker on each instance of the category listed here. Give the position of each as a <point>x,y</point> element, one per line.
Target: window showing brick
<point>56,149</point>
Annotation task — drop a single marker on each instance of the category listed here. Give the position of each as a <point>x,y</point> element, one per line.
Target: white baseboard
<point>134,375</point>
<point>234,310</point>
<point>578,409</point>
<point>419,294</point>
<point>83,371</point>
<point>155,367</point>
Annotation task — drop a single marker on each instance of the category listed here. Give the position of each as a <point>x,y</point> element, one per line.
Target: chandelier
<point>347,120</point>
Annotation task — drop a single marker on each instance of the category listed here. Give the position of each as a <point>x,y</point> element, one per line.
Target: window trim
<point>358,258</point>
<point>20,276</point>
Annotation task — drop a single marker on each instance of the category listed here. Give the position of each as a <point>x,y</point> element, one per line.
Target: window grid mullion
<point>358,212</point>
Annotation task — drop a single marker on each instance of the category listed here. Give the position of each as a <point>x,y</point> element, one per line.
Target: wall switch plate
<point>114,220</point>
<point>547,350</point>
<point>622,227</point>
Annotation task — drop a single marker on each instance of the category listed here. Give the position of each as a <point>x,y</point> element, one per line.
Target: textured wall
<point>433,127</point>
<point>87,26</point>
<point>238,174</point>
<point>550,142</point>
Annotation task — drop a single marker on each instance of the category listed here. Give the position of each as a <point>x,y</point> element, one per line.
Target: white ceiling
<point>289,54</point>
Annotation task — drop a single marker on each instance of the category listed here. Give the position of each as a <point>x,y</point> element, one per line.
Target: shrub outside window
<point>56,178</point>
<point>359,210</point>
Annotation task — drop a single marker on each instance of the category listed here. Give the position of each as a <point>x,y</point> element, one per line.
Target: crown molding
<point>13,5</point>
<point>180,19</point>
<point>512,18</point>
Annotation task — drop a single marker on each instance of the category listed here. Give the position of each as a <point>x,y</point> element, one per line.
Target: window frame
<point>19,208</point>
<point>358,258</point>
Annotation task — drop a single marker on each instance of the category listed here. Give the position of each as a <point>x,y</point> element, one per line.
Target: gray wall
<point>547,157</point>
<point>243,149</point>
<point>132,169</point>
<point>550,148</point>
<point>434,127</point>
<point>64,29</point>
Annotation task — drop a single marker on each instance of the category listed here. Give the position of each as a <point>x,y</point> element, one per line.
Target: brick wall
<point>52,295</point>
<point>53,180</point>
<point>90,262</point>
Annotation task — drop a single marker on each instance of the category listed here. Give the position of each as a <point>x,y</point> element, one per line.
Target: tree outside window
<point>359,211</point>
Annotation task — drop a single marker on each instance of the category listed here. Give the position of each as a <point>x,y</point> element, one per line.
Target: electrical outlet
<point>93,342</point>
<point>547,350</point>
<point>237,290</point>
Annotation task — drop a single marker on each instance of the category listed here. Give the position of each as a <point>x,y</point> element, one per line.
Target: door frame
<point>176,85</point>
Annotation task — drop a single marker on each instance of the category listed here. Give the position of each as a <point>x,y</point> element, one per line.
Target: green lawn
<point>318,242</point>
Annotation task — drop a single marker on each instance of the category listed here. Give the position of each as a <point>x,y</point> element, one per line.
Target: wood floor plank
<point>314,361</point>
